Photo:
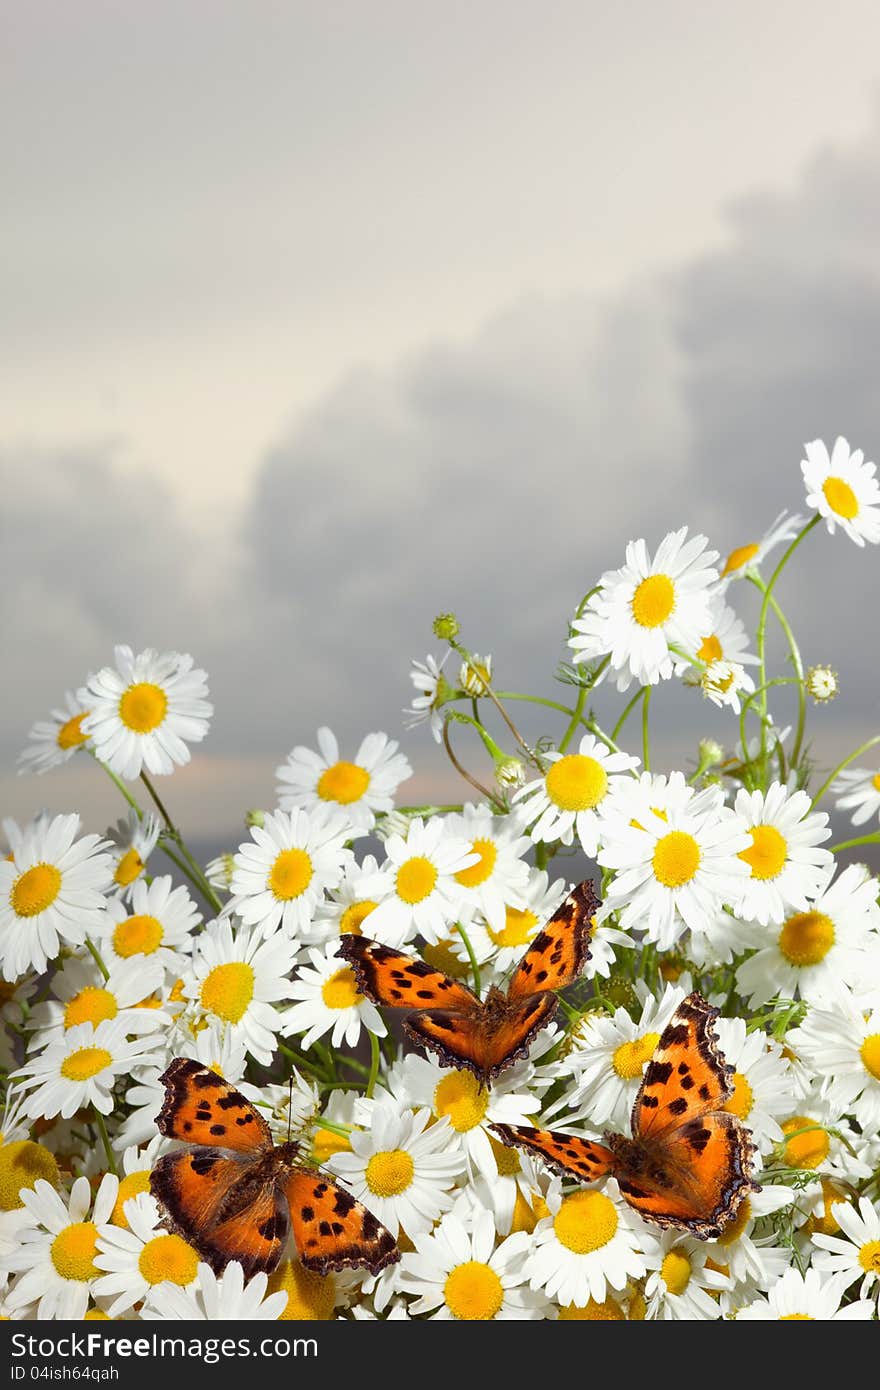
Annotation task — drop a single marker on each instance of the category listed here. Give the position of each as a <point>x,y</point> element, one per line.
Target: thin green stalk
<point>627,711</point>
<point>575,719</point>
<point>120,785</point>
<point>355,1066</point>
<point>93,952</point>
<point>334,1126</point>
<point>105,1139</point>
<point>303,1063</point>
<point>471,956</point>
<point>762,620</point>
<point>601,735</point>
<point>862,748</point>
<point>196,872</point>
<point>374,1065</point>
<point>462,771</point>
<point>797,663</point>
<point>872,839</point>
<point>427,810</point>
<point>646,744</point>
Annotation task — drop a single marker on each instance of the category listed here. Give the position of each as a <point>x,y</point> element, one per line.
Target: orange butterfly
<point>689,1161</point>
<point>483,1035</point>
<point>237,1195</point>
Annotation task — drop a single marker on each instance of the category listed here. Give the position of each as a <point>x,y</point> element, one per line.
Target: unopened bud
<point>446,627</point>
<point>822,684</point>
<point>510,773</point>
<point>255,818</point>
<point>711,752</point>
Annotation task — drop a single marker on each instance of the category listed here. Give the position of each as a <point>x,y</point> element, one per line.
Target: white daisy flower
<point>289,1107</point>
<point>459,1272</point>
<point>135,1168</point>
<point>679,1284</point>
<point>307,1295</point>
<point>140,1255</point>
<point>238,980</point>
<point>725,640</point>
<point>218,1046</point>
<point>134,838</point>
<point>215,1298</point>
<point>840,1040</point>
<point>723,682</point>
<point>82,995</point>
<point>810,1297</point>
<point>219,871</point>
<point>833,938</point>
<point>673,865</point>
<point>858,790</point>
<point>81,1069</point>
<point>857,1255</point>
<point>475,675</point>
<point>52,893</point>
<point>347,906</point>
<point>843,489</point>
<point>648,606</point>
<point>500,875</point>
<point>402,1169</point>
<point>145,710</point>
<point>822,684</point>
<point>416,887</point>
<point>506,946</point>
<point>283,871</point>
<point>589,1245</point>
<point>761,1080</point>
<point>156,925</point>
<point>786,867</point>
<point>573,794</point>
<point>753,554</point>
<point>819,1140</point>
<point>432,691</point>
<point>361,789</point>
<point>56,1247</point>
<point>56,739</point>
<point>751,1260</point>
<point>720,938</point>
<point>329,1002</point>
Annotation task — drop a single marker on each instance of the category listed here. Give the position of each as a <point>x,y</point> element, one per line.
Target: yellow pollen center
<point>586,1221</point>
<point>576,783</point>
<point>142,707</point>
<point>743,1097</point>
<point>630,1058</point>
<point>506,1160</point>
<point>325,1144</point>
<point>609,1311</point>
<point>473,1292</point>
<point>739,558</point>
<point>875,781</point>
<point>807,1149</point>
<point>675,1271</point>
<point>310,1296</point>
<point>841,498</point>
<point>96,1315</point>
<point>35,890</point>
<point>676,859</point>
<point>343,783</point>
<point>710,650</point>
<point>477,873</point>
<point>290,875</point>
<point>73,1251</point>
<point>653,601</point>
<point>85,1063</point>
<point>129,868</point>
<point>460,1096</point>
<point>415,879</point>
<point>869,1257</point>
<point>138,936</point>
<point>132,1185</point>
<point>228,990</point>
<point>91,1005</point>
<point>70,735</point>
<point>340,991</point>
<point>796,1317</point>
<point>767,853</point>
<point>389,1173</point>
<point>870,1055</point>
<point>734,1229</point>
<point>168,1257</point>
<point>518,929</point>
<point>21,1163</point>
<point>353,917</point>
<point>806,938</point>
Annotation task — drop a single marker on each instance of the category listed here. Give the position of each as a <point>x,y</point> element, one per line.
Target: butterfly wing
<point>567,1154</point>
<point>561,949</point>
<point>687,1075</point>
<point>400,981</point>
<point>201,1108</point>
<point>332,1230</point>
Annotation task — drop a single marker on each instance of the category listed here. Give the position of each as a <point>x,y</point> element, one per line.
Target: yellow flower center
<point>869,1257</point>
<point>129,868</point>
<point>460,1096</point>
<point>796,1317</point>
<point>518,929</point>
<point>290,875</point>
<point>138,936</point>
<point>310,1296</point>
<point>841,498</point>
<point>85,1063</point>
<point>344,783</point>
<point>142,707</point>
<point>35,890</point>
<point>228,990</point>
<point>710,650</point>
<point>473,1292</point>
<point>353,916</point>
<point>325,1144</point>
<point>132,1185</point>
<point>825,1221</point>
<point>676,859</point>
<point>675,1271</point>
<point>415,879</point>
<point>743,1097</point>
<point>70,735</point>
<point>734,1229</point>
<point>875,781</point>
<point>576,782</point>
<point>340,991</point>
<point>91,1005</point>
<point>806,938</point>
<point>739,558</point>
<point>870,1055</point>
<point>477,873</point>
<point>629,1059</point>
<point>389,1173</point>
<point>506,1160</point>
<point>585,1221</point>
<point>73,1251</point>
<point>653,601</point>
<point>168,1257</point>
<point>442,957</point>
<point>609,1311</point>
<point>96,1315</point>
<point>21,1163</point>
<point>807,1149</point>
<point>767,853</point>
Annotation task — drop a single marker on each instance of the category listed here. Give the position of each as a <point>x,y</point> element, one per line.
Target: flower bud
<point>446,627</point>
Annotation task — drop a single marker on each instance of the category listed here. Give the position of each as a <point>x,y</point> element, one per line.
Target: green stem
<point>374,1065</point>
<point>334,1126</point>
<point>196,875</point>
<point>303,1063</point>
<point>462,771</point>
<point>627,711</point>
<point>120,786</point>
<point>93,952</point>
<point>862,748</point>
<point>796,661</point>
<point>472,957</point>
<point>762,621</point>
<point>355,1066</point>
<point>646,746</point>
<point>105,1139</point>
<point>872,839</point>
<point>601,735</point>
<point>428,810</point>
<point>575,719</point>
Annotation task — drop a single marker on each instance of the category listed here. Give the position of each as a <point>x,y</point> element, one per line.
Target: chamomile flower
<point>500,875</point>
<point>347,906</point>
<point>819,1140</point>
<point>725,640</point>
<point>215,1298</point>
<point>761,1079</point>
<point>840,1040</point>
<point>720,937</point>
<point>647,607</point>
<point>459,1272</point>
<point>219,871</point>
<point>283,871</point>
<point>140,1255</point>
<point>328,1001</point>
<point>55,1249</point>
<point>822,684</point>
<point>56,739</point>
<point>786,866</point>
<point>590,1245</point>
<point>83,995</point>
<point>416,887</point>
<point>843,489</point>
<point>135,1167</point>
<point>52,893</point>
<point>747,1249</point>
<point>723,682</point>
<point>810,1297</point>
<point>539,899</point>
<point>81,1069</point>
<point>432,692</point>
<point>680,1284</point>
<point>145,711</point>
<point>360,789</point>
<point>155,925</point>
<point>573,793</point>
<point>475,675</point>
<point>833,937</point>
<point>857,789</point>
<point>403,1168</point>
<point>217,1046</point>
<point>752,555</point>
<point>855,1254</point>
<point>238,980</point>
<point>133,838</point>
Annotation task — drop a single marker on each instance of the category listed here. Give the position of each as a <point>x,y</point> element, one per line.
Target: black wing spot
<point>244,1120</point>
<point>683,1068</point>
<point>229,1102</point>
<point>218,1129</point>
<point>338,1228</point>
<point>677,1106</point>
<point>186,1126</point>
<point>687,1083</point>
<point>343,1204</point>
<point>324,1228</point>
<point>370,1226</point>
<point>650,1102</point>
<point>658,1073</point>
<point>540,977</point>
<point>201,1166</point>
<point>704,1092</point>
<point>675,1035</point>
<point>424,994</point>
<point>307,1213</point>
<point>208,1080</point>
<point>271,1229</point>
<point>319,1190</point>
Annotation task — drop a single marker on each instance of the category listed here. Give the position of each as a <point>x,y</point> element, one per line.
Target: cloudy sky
<point>319,319</point>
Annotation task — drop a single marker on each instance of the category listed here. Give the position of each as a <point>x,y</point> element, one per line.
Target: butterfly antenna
<point>289,1107</point>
